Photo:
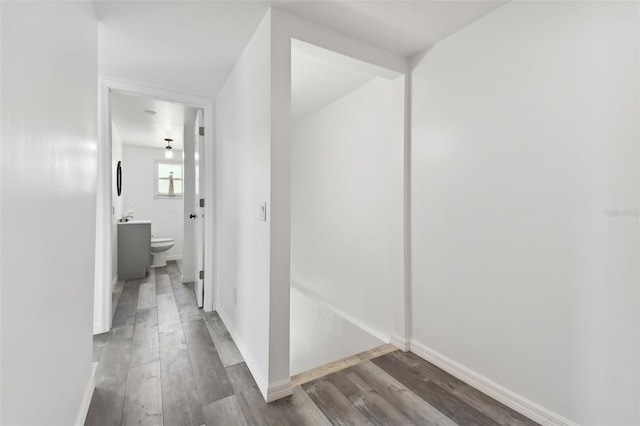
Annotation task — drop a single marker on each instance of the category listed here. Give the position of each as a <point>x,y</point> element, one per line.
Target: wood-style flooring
<point>166,362</point>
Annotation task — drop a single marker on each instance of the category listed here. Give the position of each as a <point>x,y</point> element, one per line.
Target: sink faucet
<point>126,218</point>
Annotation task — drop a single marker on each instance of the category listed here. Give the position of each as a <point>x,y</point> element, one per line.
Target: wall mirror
<point>119,178</point>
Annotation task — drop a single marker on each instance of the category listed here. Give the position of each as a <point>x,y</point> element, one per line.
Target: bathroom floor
<point>167,362</point>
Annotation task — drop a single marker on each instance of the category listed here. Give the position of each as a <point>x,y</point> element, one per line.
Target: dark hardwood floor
<point>166,362</point>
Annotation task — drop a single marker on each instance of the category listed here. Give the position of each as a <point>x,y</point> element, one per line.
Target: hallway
<point>168,362</point>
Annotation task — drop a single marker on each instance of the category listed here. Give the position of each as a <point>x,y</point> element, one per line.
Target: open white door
<point>199,209</point>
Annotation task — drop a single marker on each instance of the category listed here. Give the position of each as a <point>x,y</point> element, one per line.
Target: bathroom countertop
<point>134,222</point>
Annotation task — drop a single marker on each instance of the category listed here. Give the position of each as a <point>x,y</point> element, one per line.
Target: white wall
<point>116,155</point>
<point>48,175</point>
<point>286,27</point>
<point>253,150</point>
<point>525,133</point>
<point>320,334</point>
<point>346,204</point>
<point>243,136</point>
<point>138,189</point>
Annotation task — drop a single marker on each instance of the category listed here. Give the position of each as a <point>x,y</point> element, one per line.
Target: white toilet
<point>158,247</point>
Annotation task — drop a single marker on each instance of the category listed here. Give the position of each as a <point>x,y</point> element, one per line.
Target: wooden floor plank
<point>186,302</point>
<point>115,296</point>
<point>147,295</point>
<point>99,342</point>
<point>334,404</point>
<point>184,296</point>
<point>180,398</point>
<point>163,284</point>
<point>448,404</point>
<point>211,377</point>
<point>107,402</point>
<point>168,316</point>
<point>398,395</point>
<point>225,412</point>
<point>127,305</point>
<point>226,347</point>
<point>297,409</point>
<point>241,378</point>
<point>367,400</point>
<point>143,402</point>
<point>489,406</point>
<point>305,409</point>
<point>258,413</point>
<point>146,347</point>
<point>174,272</point>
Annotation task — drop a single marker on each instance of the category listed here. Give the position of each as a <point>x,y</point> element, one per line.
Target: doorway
<point>347,208</point>
<point>153,165</point>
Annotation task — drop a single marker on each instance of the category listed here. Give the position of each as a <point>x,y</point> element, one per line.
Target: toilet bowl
<point>158,247</point>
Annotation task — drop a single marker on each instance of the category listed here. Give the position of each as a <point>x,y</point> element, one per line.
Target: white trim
<point>511,399</point>
<point>81,417</point>
<point>103,260</point>
<point>188,278</point>
<point>114,282</point>
<point>279,390</point>
<point>407,231</point>
<point>400,342</point>
<point>255,371</point>
<point>173,257</point>
<point>102,298</point>
<point>321,301</point>
<point>210,283</point>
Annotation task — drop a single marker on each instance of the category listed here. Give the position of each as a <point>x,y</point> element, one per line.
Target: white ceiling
<point>139,128</point>
<point>399,26</point>
<point>191,46</point>
<point>318,80</point>
<point>185,46</point>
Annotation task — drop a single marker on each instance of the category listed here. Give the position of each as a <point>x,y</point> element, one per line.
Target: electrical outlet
<point>235,295</point>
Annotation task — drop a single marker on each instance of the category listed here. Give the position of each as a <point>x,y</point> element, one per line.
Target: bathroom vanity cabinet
<point>134,249</point>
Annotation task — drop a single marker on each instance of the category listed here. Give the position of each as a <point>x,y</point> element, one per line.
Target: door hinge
<point>201,202</point>
<point>201,131</point>
<point>202,275</point>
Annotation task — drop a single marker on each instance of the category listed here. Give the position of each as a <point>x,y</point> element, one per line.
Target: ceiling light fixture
<point>168,151</point>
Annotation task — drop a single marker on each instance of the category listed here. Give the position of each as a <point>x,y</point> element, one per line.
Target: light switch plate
<point>263,212</point>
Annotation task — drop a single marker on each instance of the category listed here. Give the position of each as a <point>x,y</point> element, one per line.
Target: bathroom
<point>149,182</point>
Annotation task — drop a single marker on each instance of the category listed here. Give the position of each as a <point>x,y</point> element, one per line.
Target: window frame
<point>156,179</point>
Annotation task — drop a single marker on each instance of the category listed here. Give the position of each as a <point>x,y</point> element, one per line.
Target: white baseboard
<point>279,390</point>
<point>174,257</point>
<point>81,417</point>
<point>321,301</point>
<point>99,329</point>
<point>188,278</point>
<point>258,376</point>
<point>103,323</point>
<point>496,391</point>
<point>400,342</point>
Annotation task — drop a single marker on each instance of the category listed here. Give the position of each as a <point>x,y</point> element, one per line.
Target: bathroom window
<point>168,179</point>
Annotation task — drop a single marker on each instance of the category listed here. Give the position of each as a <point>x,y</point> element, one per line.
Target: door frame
<point>103,262</point>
